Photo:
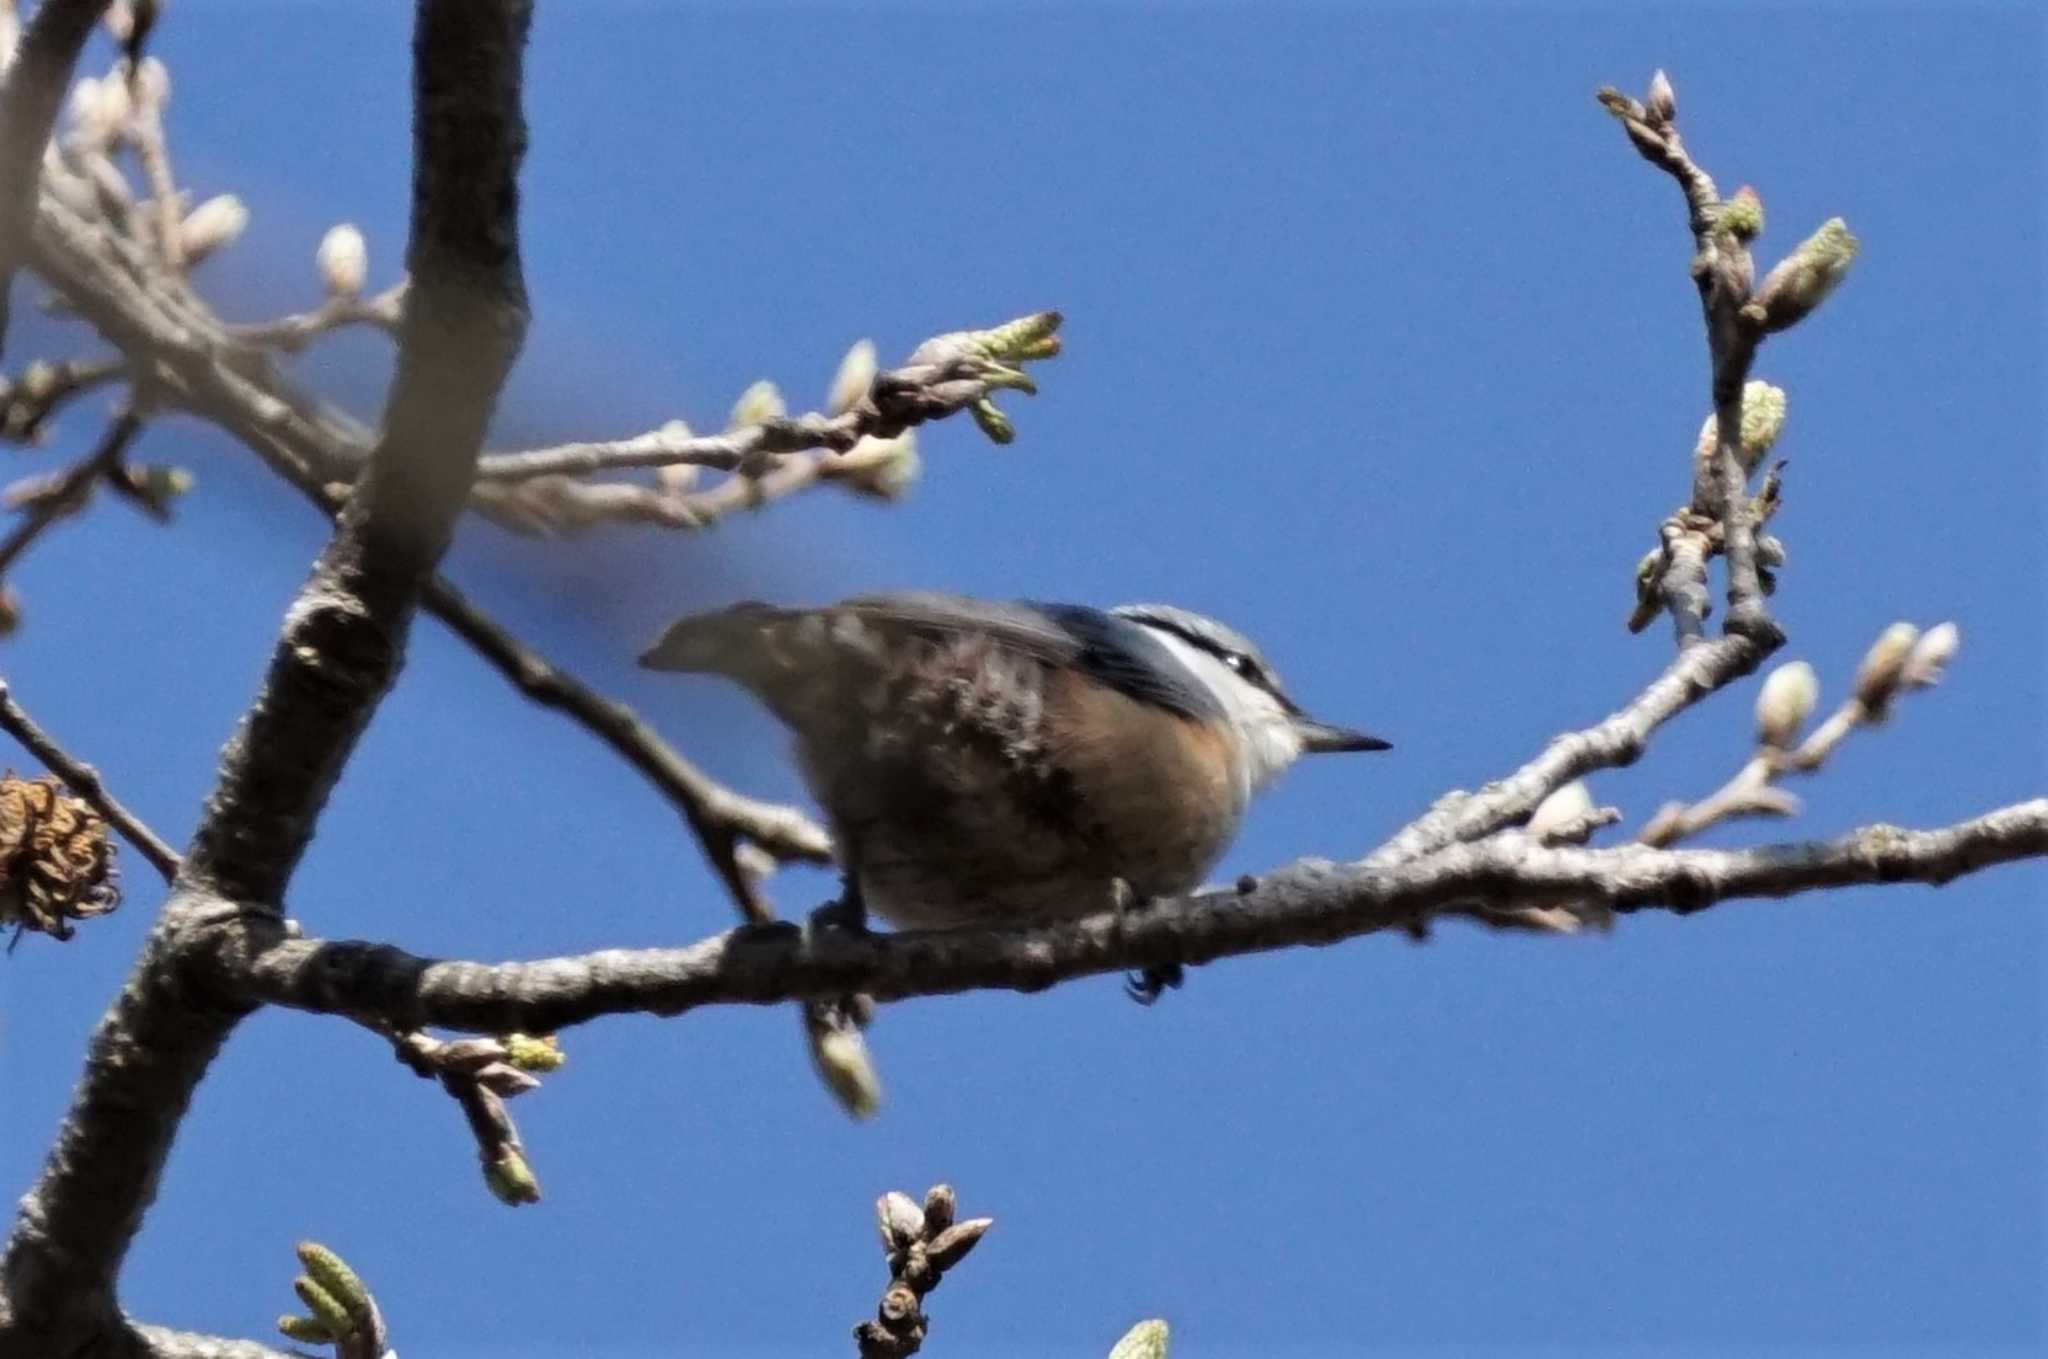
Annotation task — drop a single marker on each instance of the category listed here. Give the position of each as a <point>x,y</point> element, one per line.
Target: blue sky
<point>1380,346</point>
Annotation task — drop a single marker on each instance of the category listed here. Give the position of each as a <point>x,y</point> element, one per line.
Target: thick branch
<point>157,1342</point>
<point>466,316</point>
<point>340,650</point>
<point>1307,903</point>
<point>30,94</point>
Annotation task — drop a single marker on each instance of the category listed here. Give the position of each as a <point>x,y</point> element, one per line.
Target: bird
<point>992,764</point>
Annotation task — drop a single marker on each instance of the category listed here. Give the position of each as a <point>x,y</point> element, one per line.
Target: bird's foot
<point>1146,986</point>
<point>1149,985</point>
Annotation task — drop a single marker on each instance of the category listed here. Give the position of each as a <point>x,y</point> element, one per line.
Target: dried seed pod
<point>56,858</point>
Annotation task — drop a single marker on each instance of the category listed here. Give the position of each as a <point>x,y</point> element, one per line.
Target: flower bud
<point>949,1247</point>
<point>343,260</point>
<point>1877,679</point>
<point>1763,419</point>
<point>1662,104</point>
<point>856,374</point>
<point>940,1204</point>
<point>1742,215</point>
<point>1930,655</point>
<point>841,1057</point>
<point>153,82</point>
<point>1564,806</point>
<point>1803,279</point>
<point>87,113</point>
<point>1784,703</point>
<point>1146,1340</point>
<point>212,225</point>
<point>529,1053</point>
<point>511,1179</point>
<point>757,405</point>
<point>899,1220</point>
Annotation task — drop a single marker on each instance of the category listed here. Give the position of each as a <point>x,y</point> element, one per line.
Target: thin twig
<point>82,779</point>
<point>72,488</point>
<point>384,312</point>
<point>27,403</point>
<point>1723,271</point>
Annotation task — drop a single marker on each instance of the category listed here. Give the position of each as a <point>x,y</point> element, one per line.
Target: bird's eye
<point>1241,664</point>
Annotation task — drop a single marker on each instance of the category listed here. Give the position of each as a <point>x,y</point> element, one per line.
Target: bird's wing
<point>756,643</point>
<point>1113,651</point>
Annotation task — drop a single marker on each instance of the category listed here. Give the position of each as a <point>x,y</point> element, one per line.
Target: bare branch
<point>28,402</point>
<point>85,781</point>
<point>950,374</point>
<point>159,1342</point>
<point>1312,902</point>
<point>1617,741</point>
<point>921,1243</point>
<point>72,487</point>
<point>715,813</point>
<point>338,654</point>
<point>31,92</point>
<point>1724,273</point>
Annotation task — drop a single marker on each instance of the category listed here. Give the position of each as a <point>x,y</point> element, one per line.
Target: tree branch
<point>84,780</point>
<point>1312,902</point>
<point>464,322</point>
<point>1723,271</point>
<point>339,652</point>
<point>31,92</point>
<point>72,487</point>
<point>948,374</point>
<point>1612,743</point>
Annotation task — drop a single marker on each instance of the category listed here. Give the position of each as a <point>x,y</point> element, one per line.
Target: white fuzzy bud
<point>87,111</point>
<point>1564,806</point>
<point>677,477</point>
<point>1146,1340</point>
<point>343,259</point>
<point>1763,419</point>
<point>856,374</point>
<point>757,405</point>
<point>1662,105</point>
<point>1877,679</point>
<point>153,82</point>
<point>211,225</point>
<point>1930,655</point>
<point>1784,703</point>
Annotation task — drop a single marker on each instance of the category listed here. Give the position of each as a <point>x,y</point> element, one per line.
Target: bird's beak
<point>1320,738</point>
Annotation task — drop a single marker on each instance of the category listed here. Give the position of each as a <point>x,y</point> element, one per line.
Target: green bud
<point>529,1053</point>
<point>327,1309</point>
<point>1803,279</point>
<point>993,422</point>
<point>1742,216</point>
<point>1146,1340</point>
<point>511,1180</point>
<point>305,1329</point>
<point>757,405</point>
<point>1027,337</point>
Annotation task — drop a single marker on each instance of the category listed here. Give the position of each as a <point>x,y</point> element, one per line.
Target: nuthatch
<point>993,764</point>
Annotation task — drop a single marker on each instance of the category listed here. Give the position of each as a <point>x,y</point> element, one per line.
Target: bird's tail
<point>728,642</point>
